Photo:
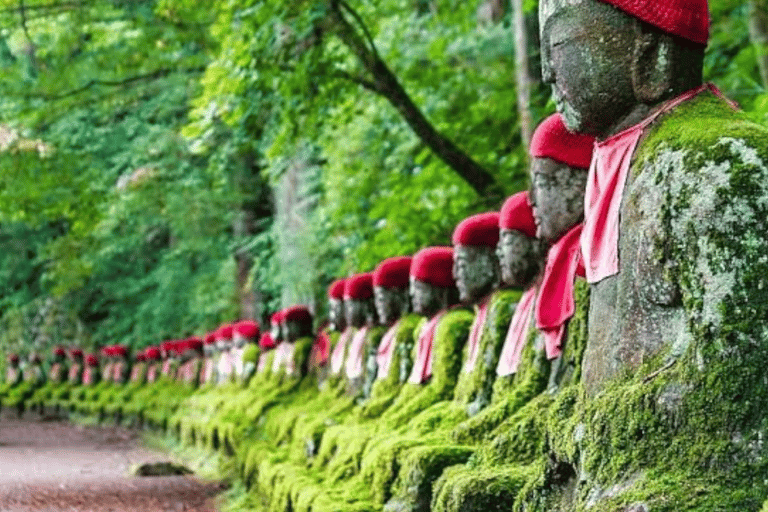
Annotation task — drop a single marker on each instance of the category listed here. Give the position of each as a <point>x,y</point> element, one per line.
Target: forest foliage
<point>171,164</point>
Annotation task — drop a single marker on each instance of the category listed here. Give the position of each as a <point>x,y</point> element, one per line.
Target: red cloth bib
<point>517,334</point>
<point>385,352</point>
<point>473,344</point>
<point>555,305</point>
<point>422,365</point>
<point>339,351</point>
<point>607,178</point>
<point>354,366</point>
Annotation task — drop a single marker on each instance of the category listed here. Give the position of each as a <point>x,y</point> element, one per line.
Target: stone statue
<point>75,374</point>
<point>33,373</point>
<point>154,358</point>
<point>208,368</point>
<point>57,372</point>
<point>120,364</point>
<point>246,334</point>
<point>298,340</point>
<point>676,252</point>
<point>391,300</point>
<point>360,313</point>
<point>91,373</point>
<point>478,274</point>
<point>139,368</point>
<point>13,374</point>
<point>224,344</point>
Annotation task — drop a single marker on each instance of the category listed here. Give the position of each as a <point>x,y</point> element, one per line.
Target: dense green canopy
<point>170,164</point>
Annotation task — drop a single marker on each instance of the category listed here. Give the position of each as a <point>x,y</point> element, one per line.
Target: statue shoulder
<point>456,322</point>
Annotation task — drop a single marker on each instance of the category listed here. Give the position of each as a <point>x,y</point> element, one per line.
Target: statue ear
<point>652,65</point>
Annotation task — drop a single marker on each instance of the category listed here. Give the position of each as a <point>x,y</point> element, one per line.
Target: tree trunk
<point>522,73</point>
<point>758,33</point>
<point>386,84</point>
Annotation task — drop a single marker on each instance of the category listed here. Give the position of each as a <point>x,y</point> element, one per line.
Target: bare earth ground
<point>51,466</point>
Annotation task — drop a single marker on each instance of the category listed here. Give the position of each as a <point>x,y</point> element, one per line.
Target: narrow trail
<point>56,466</point>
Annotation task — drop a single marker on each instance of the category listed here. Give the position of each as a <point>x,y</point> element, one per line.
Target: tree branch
<point>363,26</point>
<point>160,73</point>
<point>366,84</point>
<point>385,83</point>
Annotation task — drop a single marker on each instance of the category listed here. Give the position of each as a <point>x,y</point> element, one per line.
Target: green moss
<point>482,490</point>
<point>476,386</point>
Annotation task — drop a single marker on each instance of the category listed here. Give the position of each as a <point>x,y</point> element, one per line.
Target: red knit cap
<point>517,214</point>
<point>553,140</point>
<point>59,351</point>
<point>119,351</point>
<point>106,351</point>
<point>481,230</point>
<point>167,346</point>
<point>277,317</point>
<point>336,290</point>
<point>152,353</point>
<point>139,357</point>
<point>266,342</point>
<point>434,265</point>
<point>13,358</point>
<point>359,286</point>
<point>299,314</point>
<point>688,19</point>
<point>225,332</point>
<point>92,360</point>
<point>194,343</point>
<point>247,329</point>
<point>210,338</point>
<point>75,352</point>
<point>393,272</point>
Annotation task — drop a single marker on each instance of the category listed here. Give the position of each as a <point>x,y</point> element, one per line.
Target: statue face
<point>427,299</point>
<point>274,331</point>
<point>359,311</point>
<point>557,198</point>
<point>587,54</point>
<point>336,314</point>
<point>391,303</point>
<point>476,270</point>
<point>520,257</point>
<point>295,330</point>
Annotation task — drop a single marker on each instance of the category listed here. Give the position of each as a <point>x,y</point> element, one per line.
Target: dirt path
<point>56,466</point>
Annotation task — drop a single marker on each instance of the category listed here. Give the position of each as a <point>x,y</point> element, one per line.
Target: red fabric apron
<point>556,305</point>
<point>473,344</point>
<point>321,349</point>
<point>74,372</point>
<point>339,351</point>
<point>385,352</point>
<point>517,334</point>
<point>422,365</point>
<point>166,369</point>
<point>263,361</point>
<point>605,189</point>
<point>355,363</point>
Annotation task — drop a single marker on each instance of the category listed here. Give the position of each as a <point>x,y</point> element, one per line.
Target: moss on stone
<point>482,490</point>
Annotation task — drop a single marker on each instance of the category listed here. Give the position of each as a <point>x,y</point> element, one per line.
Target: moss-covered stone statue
<point>245,338</point>
<point>75,373</point>
<point>676,251</point>
<point>225,366</point>
<point>121,366</point>
<point>55,386</point>
<point>208,368</point>
<point>389,365</point>
<point>360,313</point>
<point>91,373</point>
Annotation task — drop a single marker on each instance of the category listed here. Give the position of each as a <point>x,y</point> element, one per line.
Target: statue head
<point>34,358</point>
<point>297,323</point>
<point>390,289</point>
<point>358,300</point>
<point>275,326</point>
<point>193,347</point>
<point>520,253</point>
<point>224,337</point>
<point>432,287</point>
<point>607,59</point>
<point>76,355</point>
<point>245,331</point>
<point>59,354</point>
<point>209,344</point>
<point>558,177</point>
<point>13,360</point>
<point>336,305</point>
<point>476,267</point>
